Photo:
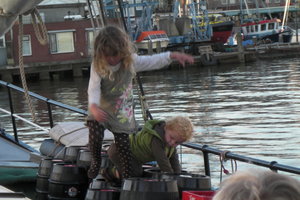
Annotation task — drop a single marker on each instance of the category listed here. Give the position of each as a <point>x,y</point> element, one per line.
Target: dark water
<point>251,109</point>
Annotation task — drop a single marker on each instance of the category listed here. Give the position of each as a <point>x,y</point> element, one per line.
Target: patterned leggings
<point>96,134</point>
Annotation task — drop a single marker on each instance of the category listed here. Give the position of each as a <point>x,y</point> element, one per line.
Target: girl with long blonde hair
<point>110,94</point>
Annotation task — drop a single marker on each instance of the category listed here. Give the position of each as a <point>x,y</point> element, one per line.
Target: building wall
<point>42,54</point>
<point>56,13</point>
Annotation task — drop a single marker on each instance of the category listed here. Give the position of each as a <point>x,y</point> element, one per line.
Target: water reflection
<point>250,109</point>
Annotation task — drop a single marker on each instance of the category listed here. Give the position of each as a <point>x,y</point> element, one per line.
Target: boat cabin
<point>156,39</point>
<point>261,29</point>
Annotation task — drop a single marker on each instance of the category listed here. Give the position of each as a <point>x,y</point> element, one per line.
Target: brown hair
<point>112,41</point>
<point>182,125</point>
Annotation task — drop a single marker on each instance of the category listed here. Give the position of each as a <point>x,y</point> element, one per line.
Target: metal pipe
<point>272,165</point>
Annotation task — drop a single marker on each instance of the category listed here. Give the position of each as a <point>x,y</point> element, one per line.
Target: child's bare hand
<point>182,58</point>
<point>98,113</point>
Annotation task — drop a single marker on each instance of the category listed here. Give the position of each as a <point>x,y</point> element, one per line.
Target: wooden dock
<point>45,71</point>
<point>276,50</point>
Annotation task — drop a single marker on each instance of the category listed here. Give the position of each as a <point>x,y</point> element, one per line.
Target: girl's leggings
<point>96,134</point>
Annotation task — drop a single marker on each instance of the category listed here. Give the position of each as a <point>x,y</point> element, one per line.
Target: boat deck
<point>15,163</point>
<point>10,195</point>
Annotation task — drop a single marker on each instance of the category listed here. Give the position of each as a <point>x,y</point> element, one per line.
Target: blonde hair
<point>112,41</point>
<point>182,125</point>
<point>259,185</point>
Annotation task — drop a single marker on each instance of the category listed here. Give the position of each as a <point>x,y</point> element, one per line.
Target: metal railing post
<point>50,114</point>
<point>206,161</point>
<point>12,115</point>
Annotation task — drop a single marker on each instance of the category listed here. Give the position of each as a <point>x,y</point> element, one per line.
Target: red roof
<point>144,34</point>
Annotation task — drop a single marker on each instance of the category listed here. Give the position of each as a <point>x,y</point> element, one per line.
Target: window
<point>271,26</point>
<point>27,45</point>
<point>263,27</point>
<point>90,35</point>
<point>2,43</point>
<point>61,42</point>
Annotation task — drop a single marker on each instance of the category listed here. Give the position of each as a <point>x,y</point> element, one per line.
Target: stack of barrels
<point>66,178</point>
<point>163,186</point>
<point>100,189</point>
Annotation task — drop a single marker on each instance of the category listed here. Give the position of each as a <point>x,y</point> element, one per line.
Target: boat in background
<point>221,31</point>
<point>268,30</point>
<point>152,39</point>
<point>221,27</point>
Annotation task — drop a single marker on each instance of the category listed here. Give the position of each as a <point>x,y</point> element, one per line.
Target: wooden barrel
<point>105,162</point>
<point>84,158</point>
<point>103,194</point>
<point>98,183</point>
<point>193,182</point>
<point>149,189</point>
<point>45,168</point>
<point>155,172</point>
<point>190,182</point>
<point>67,181</point>
<point>71,153</point>
<point>185,181</point>
<point>100,189</point>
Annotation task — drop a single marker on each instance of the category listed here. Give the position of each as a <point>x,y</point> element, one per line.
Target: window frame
<point>53,41</point>
<point>29,45</point>
<point>2,38</point>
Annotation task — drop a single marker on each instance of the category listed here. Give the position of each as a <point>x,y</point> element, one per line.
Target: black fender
<point>208,59</point>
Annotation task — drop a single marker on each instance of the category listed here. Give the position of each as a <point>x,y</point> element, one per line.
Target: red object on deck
<point>221,36</point>
<point>198,195</point>
<point>144,34</point>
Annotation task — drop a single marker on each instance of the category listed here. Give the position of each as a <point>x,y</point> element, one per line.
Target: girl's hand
<point>182,58</point>
<point>98,113</point>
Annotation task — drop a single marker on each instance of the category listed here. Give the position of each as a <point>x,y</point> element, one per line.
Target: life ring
<point>208,59</point>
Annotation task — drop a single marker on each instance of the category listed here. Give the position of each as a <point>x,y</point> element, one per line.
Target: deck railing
<point>206,150</point>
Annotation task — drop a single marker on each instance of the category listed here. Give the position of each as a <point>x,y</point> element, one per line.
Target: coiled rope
<point>39,28</point>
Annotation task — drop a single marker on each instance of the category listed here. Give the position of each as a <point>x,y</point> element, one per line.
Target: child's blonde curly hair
<point>182,125</point>
<point>112,41</point>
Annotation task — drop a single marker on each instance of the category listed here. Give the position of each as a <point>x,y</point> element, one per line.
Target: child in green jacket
<point>157,141</point>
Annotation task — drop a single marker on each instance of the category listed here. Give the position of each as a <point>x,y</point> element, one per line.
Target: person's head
<point>279,187</point>
<point>259,185</point>
<point>112,46</point>
<point>178,130</point>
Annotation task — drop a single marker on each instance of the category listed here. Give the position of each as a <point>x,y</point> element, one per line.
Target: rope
<point>58,142</point>
<point>223,159</point>
<point>143,103</point>
<point>22,71</point>
<point>40,29</point>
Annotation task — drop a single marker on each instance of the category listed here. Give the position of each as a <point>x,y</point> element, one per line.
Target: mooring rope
<point>22,71</point>
<point>223,159</point>
<point>40,29</point>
